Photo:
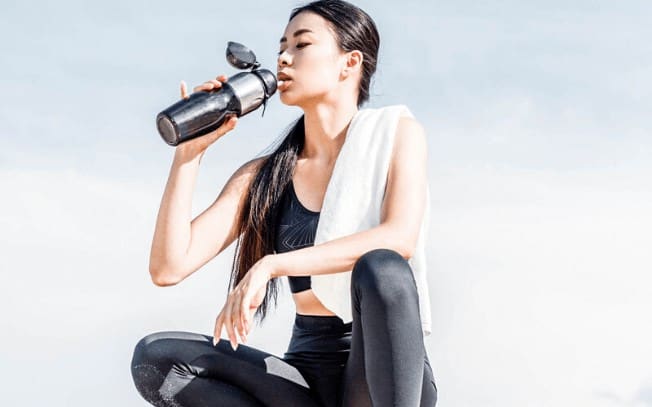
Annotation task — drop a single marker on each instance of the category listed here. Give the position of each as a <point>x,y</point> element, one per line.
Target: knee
<point>145,365</point>
<point>147,350</point>
<point>155,356</point>
<point>385,272</point>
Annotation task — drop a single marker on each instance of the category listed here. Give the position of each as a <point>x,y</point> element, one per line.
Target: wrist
<point>272,265</point>
<point>186,153</point>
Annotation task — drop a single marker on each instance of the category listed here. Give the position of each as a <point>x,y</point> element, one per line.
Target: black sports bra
<point>295,229</point>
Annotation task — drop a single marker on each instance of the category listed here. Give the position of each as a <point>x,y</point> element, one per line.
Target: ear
<point>353,63</point>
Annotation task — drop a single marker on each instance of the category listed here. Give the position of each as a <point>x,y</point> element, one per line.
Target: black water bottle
<point>204,111</point>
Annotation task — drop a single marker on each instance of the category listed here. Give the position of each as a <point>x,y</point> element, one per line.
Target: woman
<point>271,205</point>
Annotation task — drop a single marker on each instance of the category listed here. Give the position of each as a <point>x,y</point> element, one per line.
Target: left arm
<point>401,214</point>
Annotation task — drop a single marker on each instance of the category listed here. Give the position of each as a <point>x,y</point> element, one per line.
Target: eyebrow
<point>297,33</point>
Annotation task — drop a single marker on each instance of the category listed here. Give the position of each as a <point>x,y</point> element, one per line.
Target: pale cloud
<point>540,285</point>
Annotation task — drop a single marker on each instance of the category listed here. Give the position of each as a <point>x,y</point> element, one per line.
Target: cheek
<point>320,75</point>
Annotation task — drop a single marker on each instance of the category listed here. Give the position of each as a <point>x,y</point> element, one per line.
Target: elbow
<point>162,277</point>
<point>400,241</point>
<point>407,251</point>
<point>407,248</point>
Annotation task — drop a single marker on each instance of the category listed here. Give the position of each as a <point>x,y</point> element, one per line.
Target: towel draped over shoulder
<point>353,202</point>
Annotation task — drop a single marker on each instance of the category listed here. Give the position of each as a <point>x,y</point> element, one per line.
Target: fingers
<point>228,323</point>
<point>224,320</point>
<point>245,321</point>
<point>217,332</point>
<point>229,124</point>
<point>245,309</point>
<point>241,313</point>
<point>207,86</point>
<point>239,302</point>
<point>184,90</point>
<point>211,84</point>
<point>235,317</point>
<point>250,317</point>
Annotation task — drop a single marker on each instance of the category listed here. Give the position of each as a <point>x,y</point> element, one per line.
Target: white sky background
<point>538,118</point>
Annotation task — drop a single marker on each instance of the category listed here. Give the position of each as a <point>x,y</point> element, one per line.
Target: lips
<point>283,81</point>
<point>283,76</point>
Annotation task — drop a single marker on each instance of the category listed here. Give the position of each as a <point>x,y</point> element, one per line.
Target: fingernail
<point>214,342</point>
<point>234,347</point>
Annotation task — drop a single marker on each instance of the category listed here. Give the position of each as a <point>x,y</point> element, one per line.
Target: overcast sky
<point>540,144</point>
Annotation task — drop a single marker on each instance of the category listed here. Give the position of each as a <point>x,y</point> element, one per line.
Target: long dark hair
<point>354,30</point>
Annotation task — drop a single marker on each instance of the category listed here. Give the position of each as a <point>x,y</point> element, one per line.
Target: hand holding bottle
<point>198,145</point>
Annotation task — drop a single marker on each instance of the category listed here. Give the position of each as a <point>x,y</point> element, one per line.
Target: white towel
<point>353,201</point>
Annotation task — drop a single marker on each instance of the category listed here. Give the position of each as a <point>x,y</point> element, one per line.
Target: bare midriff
<point>307,303</point>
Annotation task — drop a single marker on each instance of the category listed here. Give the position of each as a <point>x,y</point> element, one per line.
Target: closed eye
<point>299,45</point>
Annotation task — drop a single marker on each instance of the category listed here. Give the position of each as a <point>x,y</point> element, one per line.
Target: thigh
<point>355,391</point>
<point>184,358</point>
<point>429,389</point>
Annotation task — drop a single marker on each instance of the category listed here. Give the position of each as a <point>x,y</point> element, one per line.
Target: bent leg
<point>184,369</point>
<point>387,362</point>
<point>429,389</point>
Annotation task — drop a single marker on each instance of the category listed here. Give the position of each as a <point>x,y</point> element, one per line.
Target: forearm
<point>337,255</point>
<point>172,232</point>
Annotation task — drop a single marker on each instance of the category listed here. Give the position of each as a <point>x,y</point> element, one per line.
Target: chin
<point>288,99</point>
<point>300,99</point>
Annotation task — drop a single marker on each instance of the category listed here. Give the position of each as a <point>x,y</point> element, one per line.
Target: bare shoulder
<point>410,127</point>
<point>254,164</point>
<point>410,138</point>
<point>245,173</point>
<point>235,190</point>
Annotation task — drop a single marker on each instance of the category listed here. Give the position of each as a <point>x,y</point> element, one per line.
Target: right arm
<point>181,246</point>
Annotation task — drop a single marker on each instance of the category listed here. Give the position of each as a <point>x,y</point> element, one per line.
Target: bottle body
<point>199,114</point>
<point>203,112</point>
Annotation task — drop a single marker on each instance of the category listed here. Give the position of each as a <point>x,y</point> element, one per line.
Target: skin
<point>324,85</point>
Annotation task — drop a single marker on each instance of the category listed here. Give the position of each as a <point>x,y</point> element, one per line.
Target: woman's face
<point>310,56</point>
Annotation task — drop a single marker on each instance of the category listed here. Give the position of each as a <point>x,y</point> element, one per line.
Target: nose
<point>283,59</point>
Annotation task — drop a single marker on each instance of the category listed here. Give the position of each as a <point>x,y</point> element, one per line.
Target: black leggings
<point>378,359</point>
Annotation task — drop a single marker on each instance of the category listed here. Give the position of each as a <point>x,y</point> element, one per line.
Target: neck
<point>326,126</point>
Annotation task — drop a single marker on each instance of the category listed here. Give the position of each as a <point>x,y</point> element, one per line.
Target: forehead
<point>304,21</point>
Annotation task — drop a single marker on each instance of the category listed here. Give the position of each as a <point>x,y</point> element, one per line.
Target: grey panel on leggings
<point>280,368</point>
